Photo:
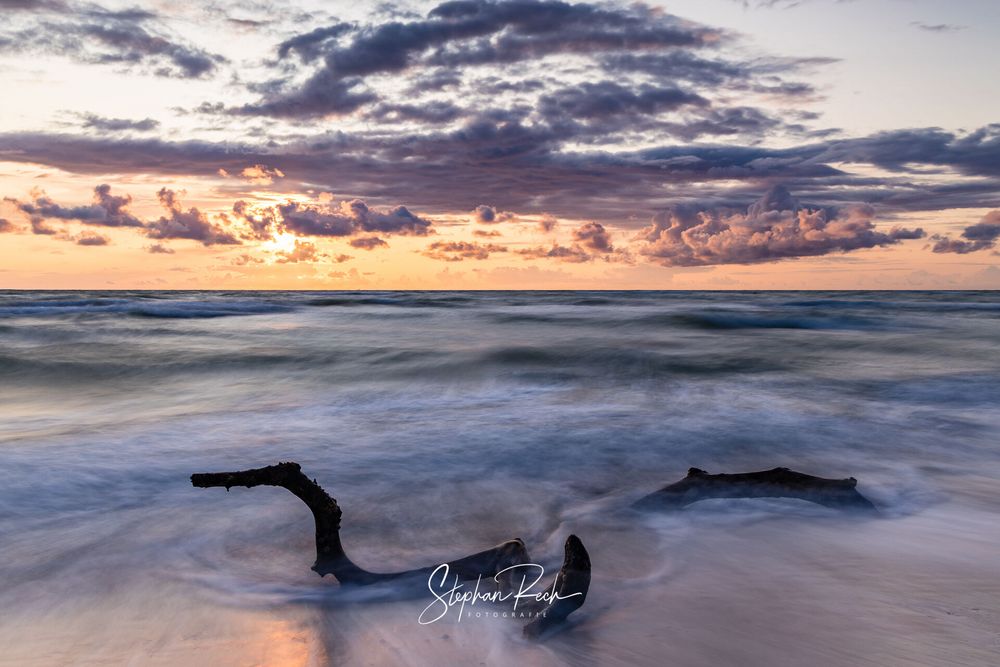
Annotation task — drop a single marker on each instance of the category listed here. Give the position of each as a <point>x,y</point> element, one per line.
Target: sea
<point>446,422</point>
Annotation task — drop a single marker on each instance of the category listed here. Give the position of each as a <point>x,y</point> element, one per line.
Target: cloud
<point>338,69</point>
<point>981,236</point>
<point>260,224</point>
<point>456,251</point>
<point>589,101</point>
<point>590,241</point>
<point>574,254</point>
<point>107,210</point>
<point>488,215</point>
<point>937,27</point>
<point>92,34</point>
<point>323,95</point>
<point>245,260</point>
<point>190,224</point>
<point>525,168</point>
<point>349,217</point>
<point>32,5</point>
<point>603,112</point>
<point>303,251</point>
<point>773,228</point>
<point>315,220</point>
<point>433,112</point>
<point>39,227</point>
<point>260,174</point>
<point>92,239</point>
<point>94,122</point>
<point>159,249</point>
<point>368,243</point>
<point>594,237</point>
<point>6,226</point>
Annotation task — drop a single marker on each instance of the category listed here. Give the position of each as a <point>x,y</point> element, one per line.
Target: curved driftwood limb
<point>330,555</point>
<point>774,483</point>
<point>571,586</point>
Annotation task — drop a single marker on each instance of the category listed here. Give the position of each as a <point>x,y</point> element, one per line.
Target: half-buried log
<point>839,494</point>
<point>572,582</point>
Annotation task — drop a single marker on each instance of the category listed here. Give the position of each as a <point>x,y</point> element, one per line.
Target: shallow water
<point>444,423</point>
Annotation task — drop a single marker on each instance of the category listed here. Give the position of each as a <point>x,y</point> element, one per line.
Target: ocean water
<point>447,422</point>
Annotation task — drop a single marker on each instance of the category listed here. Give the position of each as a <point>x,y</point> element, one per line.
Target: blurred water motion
<point>446,422</point>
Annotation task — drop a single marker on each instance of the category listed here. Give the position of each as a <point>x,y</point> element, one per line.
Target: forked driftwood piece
<point>774,483</point>
<point>574,577</point>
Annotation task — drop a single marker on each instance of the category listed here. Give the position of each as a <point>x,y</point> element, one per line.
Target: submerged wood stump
<point>839,494</point>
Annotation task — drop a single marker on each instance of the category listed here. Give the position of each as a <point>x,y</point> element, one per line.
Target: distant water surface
<point>445,422</point>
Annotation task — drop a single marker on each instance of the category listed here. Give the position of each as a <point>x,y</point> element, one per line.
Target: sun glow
<point>282,242</point>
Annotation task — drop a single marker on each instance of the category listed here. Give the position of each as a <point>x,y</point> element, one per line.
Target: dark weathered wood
<point>571,586</point>
<point>775,483</point>
<point>330,555</point>
<point>331,558</point>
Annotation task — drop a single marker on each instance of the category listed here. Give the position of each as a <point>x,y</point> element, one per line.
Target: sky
<point>500,144</point>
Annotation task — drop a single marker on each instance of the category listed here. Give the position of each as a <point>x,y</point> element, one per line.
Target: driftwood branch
<point>775,483</point>
<point>571,586</point>
<point>572,582</point>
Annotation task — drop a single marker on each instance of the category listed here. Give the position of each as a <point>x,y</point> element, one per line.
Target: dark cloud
<point>92,239</point>
<point>328,70</point>
<point>93,34</point>
<point>306,220</point>
<point>95,122</point>
<point>981,236</point>
<point>348,218</point>
<point>434,112</point>
<point>590,241</point>
<point>107,210</point>
<point>397,220</point>
<point>589,101</point>
<point>594,237</point>
<point>368,243</point>
<point>310,45</point>
<point>32,5</point>
<point>519,167</point>
<point>6,226</point>
<point>976,153</point>
<point>190,224</point>
<point>488,215</point>
<point>323,95</point>
<point>468,32</point>
<point>456,251</point>
<point>159,249</point>
<point>775,227</point>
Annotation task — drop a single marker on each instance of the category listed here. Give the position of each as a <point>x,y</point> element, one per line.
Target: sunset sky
<point>694,144</point>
